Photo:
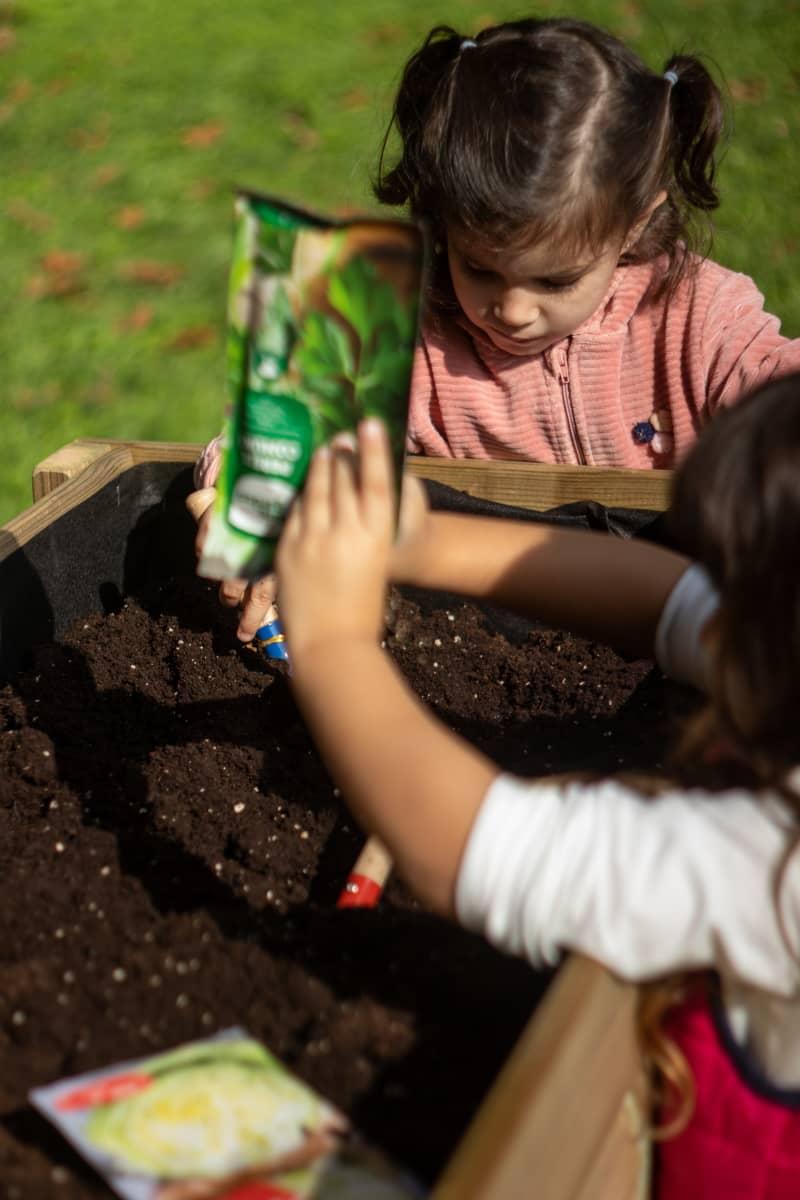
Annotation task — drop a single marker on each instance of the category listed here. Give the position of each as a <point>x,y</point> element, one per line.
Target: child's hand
<point>333,556</point>
<point>255,599</point>
<point>412,531</point>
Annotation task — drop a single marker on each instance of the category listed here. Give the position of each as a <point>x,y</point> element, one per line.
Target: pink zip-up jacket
<point>631,387</point>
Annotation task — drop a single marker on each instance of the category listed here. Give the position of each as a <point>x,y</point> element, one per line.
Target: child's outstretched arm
<point>405,776</point>
<point>605,588</point>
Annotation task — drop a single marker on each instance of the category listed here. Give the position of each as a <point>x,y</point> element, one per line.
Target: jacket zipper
<point>569,412</point>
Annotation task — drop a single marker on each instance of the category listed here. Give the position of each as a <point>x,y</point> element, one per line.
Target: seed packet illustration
<point>218,1119</point>
<point>322,321</point>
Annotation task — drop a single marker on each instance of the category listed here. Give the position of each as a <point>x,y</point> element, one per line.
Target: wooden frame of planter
<point>573,1093</point>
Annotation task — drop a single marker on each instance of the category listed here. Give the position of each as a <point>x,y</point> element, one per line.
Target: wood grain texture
<point>528,485</point>
<point>72,459</point>
<point>540,486</point>
<point>556,1125</point>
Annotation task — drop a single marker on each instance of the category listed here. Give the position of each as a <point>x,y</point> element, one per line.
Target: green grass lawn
<point>123,128</point>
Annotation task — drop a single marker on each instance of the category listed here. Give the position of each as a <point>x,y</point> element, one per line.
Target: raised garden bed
<point>172,851</point>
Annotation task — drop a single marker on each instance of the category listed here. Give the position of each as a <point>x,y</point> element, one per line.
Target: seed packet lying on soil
<point>219,1119</point>
<point>322,319</point>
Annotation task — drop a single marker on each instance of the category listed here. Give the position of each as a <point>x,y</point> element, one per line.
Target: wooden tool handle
<point>366,880</point>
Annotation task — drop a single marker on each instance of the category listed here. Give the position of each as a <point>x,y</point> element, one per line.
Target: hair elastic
<point>671,77</point>
<point>468,44</point>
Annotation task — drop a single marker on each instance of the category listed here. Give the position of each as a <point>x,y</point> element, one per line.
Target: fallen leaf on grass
<point>201,189</point>
<point>24,399</point>
<point>91,139</point>
<point>106,174</point>
<point>354,100</point>
<point>384,34</point>
<point>25,214</point>
<point>193,338</point>
<point>54,287</point>
<point>203,135</point>
<point>7,38</point>
<point>62,262</point>
<point>19,91</point>
<point>160,274</point>
<point>130,217</point>
<point>298,130</point>
<point>54,87</point>
<point>100,392</point>
<point>61,275</point>
<point>748,91</point>
<point>783,251</point>
<point>138,318</point>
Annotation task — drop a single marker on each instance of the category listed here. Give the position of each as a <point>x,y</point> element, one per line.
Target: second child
<point>703,876</point>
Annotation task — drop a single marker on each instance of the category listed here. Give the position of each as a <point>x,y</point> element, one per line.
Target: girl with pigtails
<point>571,317</point>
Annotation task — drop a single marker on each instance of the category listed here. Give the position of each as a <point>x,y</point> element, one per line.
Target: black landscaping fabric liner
<point>135,533</point>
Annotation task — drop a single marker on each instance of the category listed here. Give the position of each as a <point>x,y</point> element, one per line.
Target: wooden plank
<point>528,485</point>
<point>85,483</point>
<point>623,1166</point>
<point>550,1127</point>
<point>540,486</point>
<point>64,464</point>
<point>70,460</point>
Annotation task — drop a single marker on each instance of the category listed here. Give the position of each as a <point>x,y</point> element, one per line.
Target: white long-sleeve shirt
<point>650,886</point>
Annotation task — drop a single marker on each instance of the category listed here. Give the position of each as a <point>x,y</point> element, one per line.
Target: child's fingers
<point>344,486</point>
<point>376,472</point>
<point>197,502</point>
<point>258,607</point>
<point>345,439</point>
<point>413,506</point>
<point>231,592</point>
<point>315,505</point>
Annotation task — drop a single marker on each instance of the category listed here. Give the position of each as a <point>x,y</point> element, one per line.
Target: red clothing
<point>631,387</point>
<point>743,1141</point>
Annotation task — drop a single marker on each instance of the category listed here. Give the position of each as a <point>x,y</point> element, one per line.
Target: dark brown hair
<point>554,130</point>
<point>736,510</point>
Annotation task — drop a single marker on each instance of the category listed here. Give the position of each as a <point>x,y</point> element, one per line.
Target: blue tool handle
<point>272,641</point>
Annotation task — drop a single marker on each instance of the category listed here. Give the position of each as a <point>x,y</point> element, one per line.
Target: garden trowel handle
<point>270,638</point>
<point>365,882</point>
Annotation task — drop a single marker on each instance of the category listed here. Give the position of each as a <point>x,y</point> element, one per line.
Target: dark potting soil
<point>172,850</point>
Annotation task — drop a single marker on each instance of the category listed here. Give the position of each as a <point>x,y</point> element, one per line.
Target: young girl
<point>691,879</point>
<point>569,320</point>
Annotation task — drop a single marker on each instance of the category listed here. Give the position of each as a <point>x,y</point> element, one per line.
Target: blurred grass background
<point>123,128</point>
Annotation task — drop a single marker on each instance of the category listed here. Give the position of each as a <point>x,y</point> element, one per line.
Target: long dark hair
<point>554,130</point>
<point>736,509</point>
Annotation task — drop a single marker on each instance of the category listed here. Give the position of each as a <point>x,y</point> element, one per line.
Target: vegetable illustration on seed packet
<point>322,320</point>
<point>218,1119</point>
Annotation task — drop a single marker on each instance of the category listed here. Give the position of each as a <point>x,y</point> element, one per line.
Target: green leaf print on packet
<point>322,324</point>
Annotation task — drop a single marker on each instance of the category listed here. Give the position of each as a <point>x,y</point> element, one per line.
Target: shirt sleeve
<point>679,647</point>
<point>743,345</point>
<point>646,886</point>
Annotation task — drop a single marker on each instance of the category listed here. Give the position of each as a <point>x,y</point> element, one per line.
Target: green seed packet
<point>217,1119</point>
<point>322,321</point>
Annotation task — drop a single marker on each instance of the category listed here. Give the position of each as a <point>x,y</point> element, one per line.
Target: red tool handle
<point>365,883</point>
